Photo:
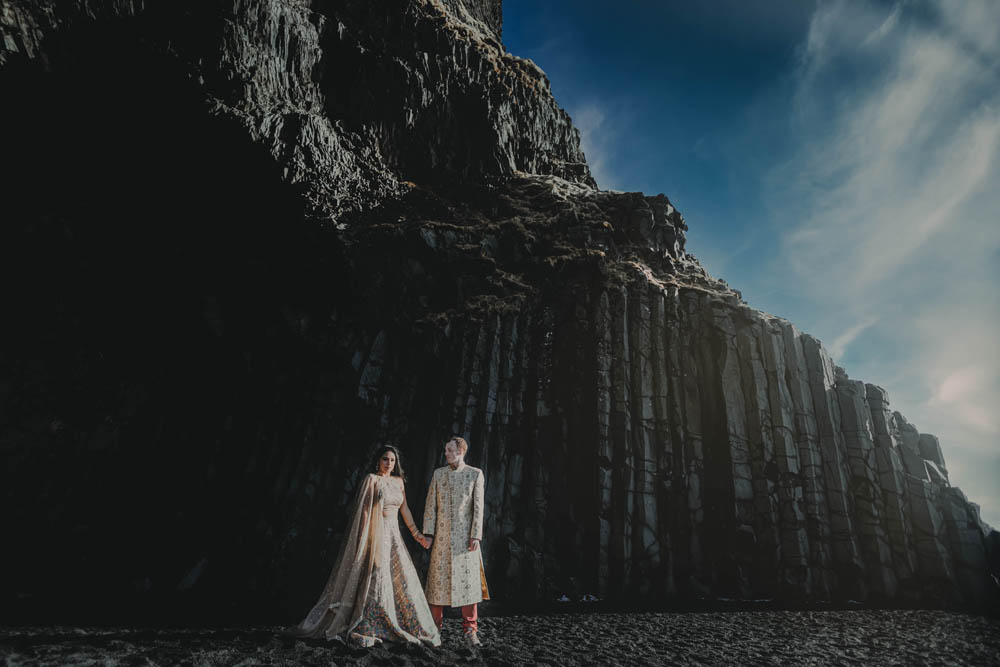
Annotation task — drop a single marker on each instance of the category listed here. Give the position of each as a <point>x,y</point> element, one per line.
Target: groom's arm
<point>476,531</point>
<point>430,507</point>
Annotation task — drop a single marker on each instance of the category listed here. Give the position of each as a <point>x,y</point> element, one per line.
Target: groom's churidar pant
<point>470,616</point>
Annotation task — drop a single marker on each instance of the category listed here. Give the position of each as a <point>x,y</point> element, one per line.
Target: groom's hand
<point>473,544</point>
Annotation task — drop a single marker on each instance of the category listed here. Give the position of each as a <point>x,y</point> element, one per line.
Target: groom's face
<point>451,453</point>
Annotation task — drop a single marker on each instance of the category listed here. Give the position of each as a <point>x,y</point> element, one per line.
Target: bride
<point>373,593</point>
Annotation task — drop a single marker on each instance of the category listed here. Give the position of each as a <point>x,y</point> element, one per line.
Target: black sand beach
<point>872,637</point>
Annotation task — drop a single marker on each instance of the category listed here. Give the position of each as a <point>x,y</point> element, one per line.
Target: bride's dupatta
<point>342,602</point>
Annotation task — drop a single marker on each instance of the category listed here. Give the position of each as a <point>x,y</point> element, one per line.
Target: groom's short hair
<point>460,442</point>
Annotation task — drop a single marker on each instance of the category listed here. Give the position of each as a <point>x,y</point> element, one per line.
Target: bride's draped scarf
<point>340,605</point>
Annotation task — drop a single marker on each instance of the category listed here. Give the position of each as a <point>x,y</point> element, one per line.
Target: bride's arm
<point>404,509</point>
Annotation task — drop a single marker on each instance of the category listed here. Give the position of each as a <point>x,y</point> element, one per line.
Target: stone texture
<point>930,450</point>
<point>893,486</point>
<point>450,103</point>
<point>909,447</point>
<point>485,14</point>
<point>966,535</point>
<point>817,511</point>
<point>869,504</point>
<point>304,229</point>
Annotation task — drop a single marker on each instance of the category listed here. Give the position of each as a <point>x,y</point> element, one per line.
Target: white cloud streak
<point>597,140</point>
<point>841,342</point>
<point>889,211</point>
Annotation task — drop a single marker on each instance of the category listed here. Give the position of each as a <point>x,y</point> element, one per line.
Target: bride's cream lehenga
<point>373,593</point>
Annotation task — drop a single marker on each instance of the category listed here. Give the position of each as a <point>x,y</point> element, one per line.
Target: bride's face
<point>386,463</point>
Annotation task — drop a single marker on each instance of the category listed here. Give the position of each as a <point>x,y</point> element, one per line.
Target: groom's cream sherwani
<point>453,514</point>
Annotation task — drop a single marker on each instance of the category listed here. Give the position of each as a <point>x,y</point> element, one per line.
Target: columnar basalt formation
<point>279,233</point>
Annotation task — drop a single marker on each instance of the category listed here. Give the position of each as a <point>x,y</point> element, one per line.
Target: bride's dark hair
<point>397,470</point>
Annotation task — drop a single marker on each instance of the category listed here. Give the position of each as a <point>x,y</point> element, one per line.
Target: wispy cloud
<point>889,210</point>
<point>841,342</point>
<point>885,28</point>
<point>597,137</point>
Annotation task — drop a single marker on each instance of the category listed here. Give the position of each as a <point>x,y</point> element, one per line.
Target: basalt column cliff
<point>253,239</point>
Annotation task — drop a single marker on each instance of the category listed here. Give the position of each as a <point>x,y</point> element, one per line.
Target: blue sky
<point>836,161</point>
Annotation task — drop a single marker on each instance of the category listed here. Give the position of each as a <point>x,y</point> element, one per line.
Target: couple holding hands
<point>374,593</point>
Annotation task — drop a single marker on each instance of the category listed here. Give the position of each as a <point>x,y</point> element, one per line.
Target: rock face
<point>263,237</point>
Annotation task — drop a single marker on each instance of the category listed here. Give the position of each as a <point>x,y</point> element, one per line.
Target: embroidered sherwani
<point>453,514</point>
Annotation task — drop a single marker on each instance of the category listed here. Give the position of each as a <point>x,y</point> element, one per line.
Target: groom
<point>453,521</point>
